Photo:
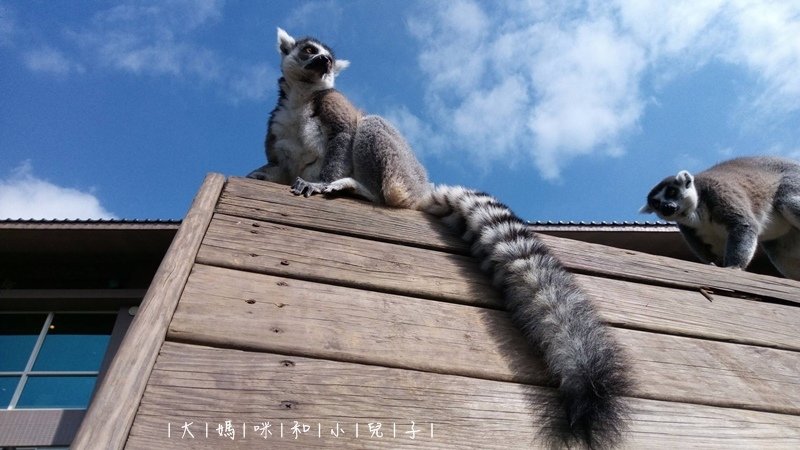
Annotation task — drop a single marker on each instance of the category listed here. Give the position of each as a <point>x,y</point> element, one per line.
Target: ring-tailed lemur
<point>726,211</point>
<point>316,136</point>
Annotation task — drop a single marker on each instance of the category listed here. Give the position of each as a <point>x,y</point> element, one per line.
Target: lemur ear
<point>340,65</point>
<point>685,178</point>
<point>646,209</point>
<point>285,42</point>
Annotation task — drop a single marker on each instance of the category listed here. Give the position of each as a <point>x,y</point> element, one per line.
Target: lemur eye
<point>309,49</point>
<point>672,192</point>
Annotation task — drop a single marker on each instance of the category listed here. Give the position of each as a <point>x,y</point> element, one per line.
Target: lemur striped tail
<point>546,303</point>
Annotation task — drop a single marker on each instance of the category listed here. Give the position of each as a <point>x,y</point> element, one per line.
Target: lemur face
<point>308,61</point>
<point>673,198</point>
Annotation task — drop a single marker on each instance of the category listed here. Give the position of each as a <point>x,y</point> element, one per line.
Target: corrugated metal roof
<point>605,226</point>
<point>90,221</point>
<point>97,224</point>
<point>560,225</point>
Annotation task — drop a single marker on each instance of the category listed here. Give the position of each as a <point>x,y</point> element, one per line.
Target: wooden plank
<point>113,407</point>
<point>712,373</point>
<point>355,262</point>
<point>618,263</point>
<point>245,310</point>
<point>206,385</point>
<point>689,313</point>
<point>227,308</point>
<point>281,250</point>
<point>272,202</point>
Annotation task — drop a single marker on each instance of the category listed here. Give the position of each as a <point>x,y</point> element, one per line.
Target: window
<point>52,359</point>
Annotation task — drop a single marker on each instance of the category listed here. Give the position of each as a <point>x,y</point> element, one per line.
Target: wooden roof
<point>335,313</point>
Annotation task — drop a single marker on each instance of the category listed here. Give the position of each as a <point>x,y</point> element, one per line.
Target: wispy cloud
<point>309,13</point>
<point>24,196</point>
<point>551,81</point>
<point>145,38</point>
<point>153,38</point>
<point>48,60</point>
<point>767,42</point>
<point>253,82</point>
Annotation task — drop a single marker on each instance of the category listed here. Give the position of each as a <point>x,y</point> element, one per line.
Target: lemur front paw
<point>306,188</point>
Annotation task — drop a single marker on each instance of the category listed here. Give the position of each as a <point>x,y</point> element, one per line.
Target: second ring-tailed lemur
<point>726,211</point>
<point>317,139</point>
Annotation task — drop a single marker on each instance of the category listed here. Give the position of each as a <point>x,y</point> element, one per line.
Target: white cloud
<point>451,39</point>
<point>307,14</point>
<point>552,81</point>
<point>150,38</point>
<point>153,38</point>
<point>49,60</point>
<point>254,82</point>
<point>23,196</point>
<point>587,81</point>
<point>767,42</point>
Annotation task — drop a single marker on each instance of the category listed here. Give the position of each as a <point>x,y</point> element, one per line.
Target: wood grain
<point>649,269</point>
<point>205,385</point>
<point>689,313</point>
<point>252,245</point>
<point>272,202</point>
<point>114,405</point>
<point>331,258</point>
<point>228,308</point>
<point>258,312</point>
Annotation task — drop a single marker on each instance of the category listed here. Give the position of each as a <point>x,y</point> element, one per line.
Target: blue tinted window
<point>66,349</point>
<point>18,334</point>
<point>57,392</point>
<point>75,342</point>
<point>7,387</point>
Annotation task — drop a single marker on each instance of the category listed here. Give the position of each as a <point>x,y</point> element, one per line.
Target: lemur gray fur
<point>725,212</point>
<point>323,143</point>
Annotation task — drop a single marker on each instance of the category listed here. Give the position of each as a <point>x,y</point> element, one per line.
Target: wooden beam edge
<point>110,416</point>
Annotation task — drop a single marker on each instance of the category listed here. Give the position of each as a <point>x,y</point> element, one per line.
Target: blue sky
<point>563,110</point>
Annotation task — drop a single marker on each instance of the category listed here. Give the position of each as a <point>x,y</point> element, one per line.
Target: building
<point>68,291</point>
<point>311,317</point>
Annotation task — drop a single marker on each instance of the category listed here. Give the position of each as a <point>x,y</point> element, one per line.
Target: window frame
<point>33,427</point>
<point>28,371</point>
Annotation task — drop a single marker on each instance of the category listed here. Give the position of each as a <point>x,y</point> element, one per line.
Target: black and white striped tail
<point>554,314</point>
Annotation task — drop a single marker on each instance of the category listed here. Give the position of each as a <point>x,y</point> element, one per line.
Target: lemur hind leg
<point>352,185</point>
<point>790,209</point>
<point>307,188</point>
<point>788,198</point>
<point>270,172</point>
<point>784,253</point>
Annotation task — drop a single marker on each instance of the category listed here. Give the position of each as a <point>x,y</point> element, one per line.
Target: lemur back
<point>367,156</point>
<point>726,211</point>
